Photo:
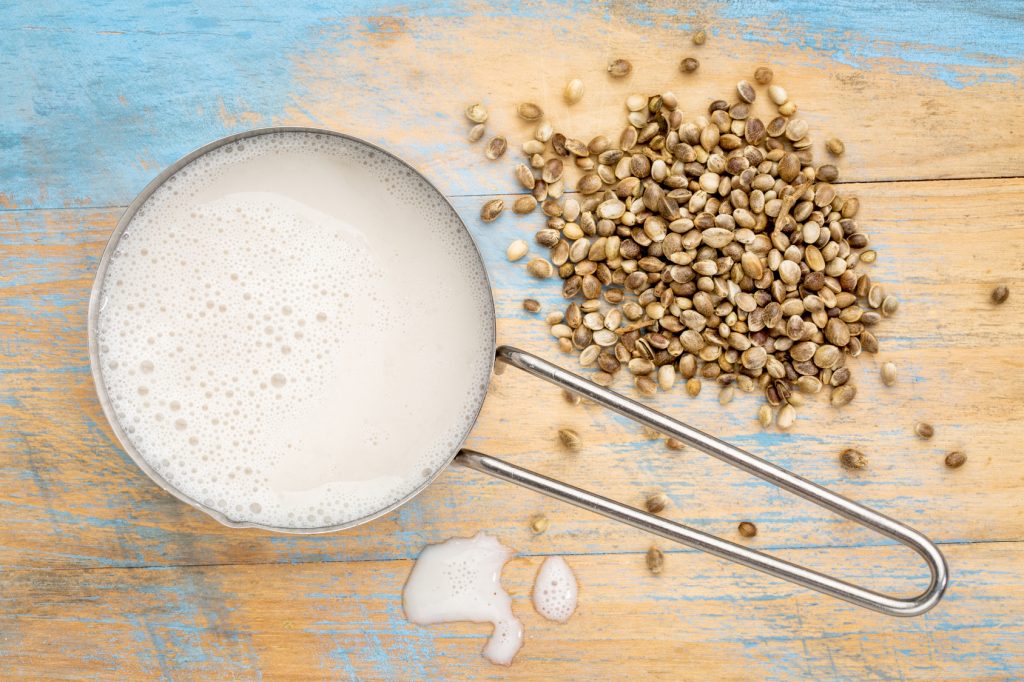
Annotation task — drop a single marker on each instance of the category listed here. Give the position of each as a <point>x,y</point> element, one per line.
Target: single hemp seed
<point>747,529</point>
<point>924,430</point>
<point>476,113</point>
<point>955,459</point>
<point>655,560</point>
<point>853,459</point>
<point>619,68</point>
<point>656,502</point>
<point>689,65</point>
<point>573,91</point>
<point>1000,294</point>
<point>491,210</point>
<point>700,37</point>
<point>570,439</point>
<point>531,305</point>
<point>674,444</point>
<point>538,524</point>
<point>888,373</point>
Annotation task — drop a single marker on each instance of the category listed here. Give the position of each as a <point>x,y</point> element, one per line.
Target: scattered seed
<point>525,176</point>
<point>656,502</point>
<point>955,459</point>
<point>476,113</point>
<point>890,305</point>
<point>835,146</point>
<point>528,111</point>
<point>726,395</point>
<point>540,268</point>
<point>786,417</point>
<point>674,444</point>
<point>491,210</point>
<point>531,305</point>
<point>853,459</point>
<point>574,91</point>
<point>655,560</point>
<point>524,204</point>
<point>700,37</point>
<point>517,250</point>
<point>842,395</point>
<point>496,148</point>
<point>689,65</point>
<point>693,387</point>
<point>570,439</point>
<point>924,430</point>
<point>538,524</point>
<point>765,416</point>
<point>888,373</point>
<point>747,529</point>
<point>778,95</point>
<point>763,75</point>
<point>476,132</point>
<point>868,256</point>
<point>619,68</point>
<point>746,91</point>
<point>1000,294</point>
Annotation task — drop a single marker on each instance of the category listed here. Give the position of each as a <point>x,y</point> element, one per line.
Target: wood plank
<point>72,499</point>
<point>701,619</point>
<point>106,98</point>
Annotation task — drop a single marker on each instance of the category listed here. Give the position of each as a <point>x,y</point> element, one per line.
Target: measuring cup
<point>540,368</point>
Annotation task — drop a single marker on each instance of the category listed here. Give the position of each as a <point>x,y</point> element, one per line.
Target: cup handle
<point>670,530</point>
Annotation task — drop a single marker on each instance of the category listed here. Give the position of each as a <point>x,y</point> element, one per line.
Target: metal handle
<point>691,537</point>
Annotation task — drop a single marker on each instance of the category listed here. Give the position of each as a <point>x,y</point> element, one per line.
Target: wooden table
<point>105,576</point>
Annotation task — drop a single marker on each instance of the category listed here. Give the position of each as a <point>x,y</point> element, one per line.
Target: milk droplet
<point>555,590</point>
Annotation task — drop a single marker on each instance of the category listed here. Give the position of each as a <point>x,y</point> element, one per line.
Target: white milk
<point>460,580</point>
<point>555,590</point>
<point>295,330</point>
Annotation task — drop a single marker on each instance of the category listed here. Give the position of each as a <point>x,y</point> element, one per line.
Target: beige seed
<point>693,387</point>
<point>842,395</point>
<point>476,113</point>
<point>496,148</point>
<point>656,502</point>
<point>852,459</point>
<point>666,377</point>
<point>540,268</point>
<point>955,459</point>
<point>525,176</point>
<point>619,68</point>
<point>573,91</point>
<point>875,296</point>
<point>789,272</point>
<point>747,529</point>
<point>786,417</point>
<point>796,129</point>
<point>924,430</point>
<point>491,210</point>
<point>835,146</point>
<point>646,386</point>
<point>700,37</point>
<point>765,416</point>
<point>543,132</point>
<point>888,373</point>
<point>746,91</point>
<point>763,75</point>
<point>528,111</point>
<point>868,256</point>
<point>538,524</point>
<point>1000,294</point>
<point>552,171</point>
<point>674,444</point>
<point>655,561</point>
<point>890,305</point>
<point>689,65</point>
<point>787,108</point>
<point>476,132</point>
<point>531,305</point>
<point>524,204</point>
<point>777,94</point>
<point>636,102</point>
<point>531,147</point>
<point>517,250</point>
<point>726,395</point>
<point>570,439</point>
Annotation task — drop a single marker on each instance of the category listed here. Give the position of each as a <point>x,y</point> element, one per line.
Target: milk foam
<point>460,580</point>
<point>295,330</point>
<point>555,590</point>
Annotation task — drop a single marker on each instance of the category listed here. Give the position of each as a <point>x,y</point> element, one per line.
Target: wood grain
<point>104,575</point>
<point>343,620</point>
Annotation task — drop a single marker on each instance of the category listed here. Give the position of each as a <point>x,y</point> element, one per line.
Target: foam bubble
<point>305,308</point>
<point>555,590</point>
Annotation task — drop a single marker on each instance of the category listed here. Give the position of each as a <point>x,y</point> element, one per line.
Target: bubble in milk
<point>302,263</point>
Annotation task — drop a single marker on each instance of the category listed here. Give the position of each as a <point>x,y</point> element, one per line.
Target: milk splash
<point>460,580</point>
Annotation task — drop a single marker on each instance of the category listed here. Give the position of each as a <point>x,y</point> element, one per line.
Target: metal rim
<point>95,307</point>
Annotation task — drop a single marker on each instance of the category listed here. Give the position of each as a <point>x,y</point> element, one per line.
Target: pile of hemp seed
<point>712,250</point>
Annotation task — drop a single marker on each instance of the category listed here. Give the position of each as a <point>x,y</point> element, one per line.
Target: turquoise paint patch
<point>961,44</point>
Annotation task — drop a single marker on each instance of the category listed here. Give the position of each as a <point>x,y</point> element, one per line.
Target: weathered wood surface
<point>104,574</point>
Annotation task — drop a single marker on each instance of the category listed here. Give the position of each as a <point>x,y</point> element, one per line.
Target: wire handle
<point>893,606</point>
